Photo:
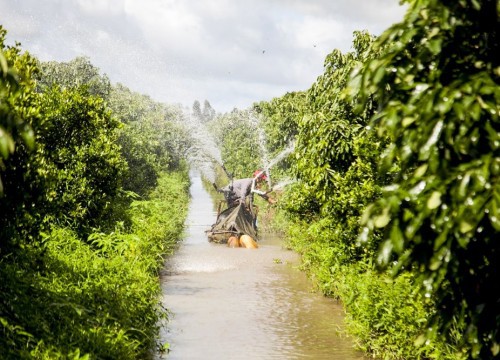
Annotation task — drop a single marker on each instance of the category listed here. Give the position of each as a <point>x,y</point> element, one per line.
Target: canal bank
<point>236,303</point>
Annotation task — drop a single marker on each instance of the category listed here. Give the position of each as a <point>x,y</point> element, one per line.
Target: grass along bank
<point>97,299</point>
<point>383,314</point>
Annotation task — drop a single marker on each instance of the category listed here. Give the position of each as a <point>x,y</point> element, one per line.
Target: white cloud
<point>231,53</point>
<point>167,23</point>
<point>101,7</point>
<point>319,31</point>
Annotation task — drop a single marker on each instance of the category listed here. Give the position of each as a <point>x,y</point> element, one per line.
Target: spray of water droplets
<point>204,153</point>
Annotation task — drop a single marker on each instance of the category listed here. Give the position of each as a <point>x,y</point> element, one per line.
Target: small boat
<point>234,221</point>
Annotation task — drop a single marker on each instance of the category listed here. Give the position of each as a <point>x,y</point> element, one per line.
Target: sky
<point>230,52</point>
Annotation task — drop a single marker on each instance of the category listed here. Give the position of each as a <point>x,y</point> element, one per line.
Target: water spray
<point>288,150</point>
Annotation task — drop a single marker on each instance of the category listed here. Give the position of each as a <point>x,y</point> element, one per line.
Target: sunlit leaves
<point>77,143</point>
<point>328,130</point>
<point>16,99</point>
<point>238,134</point>
<point>77,72</point>
<point>441,112</point>
<point>62,170</point>
<point>151,138</point>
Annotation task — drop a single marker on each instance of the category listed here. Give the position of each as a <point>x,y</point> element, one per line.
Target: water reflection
<point>243,303</point>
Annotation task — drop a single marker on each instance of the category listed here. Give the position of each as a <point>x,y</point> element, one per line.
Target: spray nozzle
<point>229,175</point>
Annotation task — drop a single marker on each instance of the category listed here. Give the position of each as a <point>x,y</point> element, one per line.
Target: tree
<point>208,113</point>
<point>238,134</point>
<point>20,183</point>
<point>17,97</point>
<point>197,109</point>
<point>281,118</point>
<point>77,72</point>
<point>77,149</point>
<point>438,88</point>
<point>152,139</point>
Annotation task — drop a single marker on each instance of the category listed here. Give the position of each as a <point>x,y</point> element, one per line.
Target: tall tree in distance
<point>197,109</point>
<point>208,112</point>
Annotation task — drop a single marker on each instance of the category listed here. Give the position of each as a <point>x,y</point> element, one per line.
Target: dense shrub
<point>80,279</point>
<point>152,138</point>
<point>20,185</point>
<point>77,145</point>
<point>439,83</point>
<point>99,297</point>
<point>238,134</point>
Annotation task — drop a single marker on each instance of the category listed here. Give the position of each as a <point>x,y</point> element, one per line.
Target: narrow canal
<point>228,303</point>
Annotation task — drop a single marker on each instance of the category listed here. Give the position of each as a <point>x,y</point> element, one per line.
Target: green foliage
<point>327,133</point>
<point>143,169</point>
<point>77,147</point>
<point>388,314</point>
<point>336,154</point>
<point>98,297</point>
<point>299,202</point>
<point>79,278</point>
<point>152,138</point>
<point>384,315</point>
<point>422,105</point>
<point>280,120</point>
<point>75,73</point>
<point>20,183</point>
<point>238,133</point>
<point>336,159</point>
<point>439,85</point>
<point>17,99</point>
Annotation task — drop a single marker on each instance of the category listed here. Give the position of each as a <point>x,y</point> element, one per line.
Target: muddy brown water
<point>228,303</point>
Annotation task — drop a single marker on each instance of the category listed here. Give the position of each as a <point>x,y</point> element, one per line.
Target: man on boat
<point>239,189</point>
